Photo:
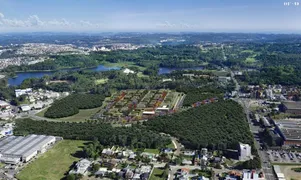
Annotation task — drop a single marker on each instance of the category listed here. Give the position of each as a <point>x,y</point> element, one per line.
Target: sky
<point>150,16</point>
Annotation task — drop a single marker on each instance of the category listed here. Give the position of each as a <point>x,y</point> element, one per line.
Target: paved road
<point>177,146</point>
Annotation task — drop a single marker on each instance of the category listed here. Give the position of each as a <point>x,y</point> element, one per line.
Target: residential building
<point>81,167</point>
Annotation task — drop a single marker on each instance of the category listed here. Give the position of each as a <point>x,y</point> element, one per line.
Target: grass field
<point>140,74</point>
<point>101,81</point>
<point>81,116</point>
<point>154,151</point>
<point>171,145</point>
<point>54,163</point>
<point>156,174</point>
<point>250,60</point>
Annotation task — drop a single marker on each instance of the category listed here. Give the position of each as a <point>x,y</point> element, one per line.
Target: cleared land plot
<point>156,175</point>
<point>54,163</point>
<point>101,81</point>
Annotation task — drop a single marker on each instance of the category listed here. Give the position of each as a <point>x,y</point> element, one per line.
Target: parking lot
<point>282,156</point>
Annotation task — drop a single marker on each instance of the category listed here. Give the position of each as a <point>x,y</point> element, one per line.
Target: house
<point>108,152</point>
<point>224,79</point>
<point>102,171</point>
<point>25,108</point>
<point>186,162</point>
<point>81,167</point>
<point>4,105</point>
<point>20,92</point>
<point>128,71</point>
<point>204,151</point>
<point>189,153</point>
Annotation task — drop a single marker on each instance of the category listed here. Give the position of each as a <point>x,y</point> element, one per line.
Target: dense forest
<point>133,137</point>
<point>218,125</point>
<point>70,105</point>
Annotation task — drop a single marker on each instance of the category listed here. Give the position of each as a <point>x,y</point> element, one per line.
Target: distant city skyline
<point>150,16</point>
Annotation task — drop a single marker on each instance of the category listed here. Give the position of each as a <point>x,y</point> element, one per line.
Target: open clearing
<point>54,163</point>
<point>101,81</point>
<point>156,174</point>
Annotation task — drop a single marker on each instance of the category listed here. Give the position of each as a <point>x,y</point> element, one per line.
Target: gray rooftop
<point>292,105</point>
<point>23,146</point>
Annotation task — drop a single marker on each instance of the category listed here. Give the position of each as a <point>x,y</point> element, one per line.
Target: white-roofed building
<point>81,167</point>
<point>244,152</point>
<point>25,108</point>
<point>278,172</point>
<point>19,148</point>
<point>128,71</point>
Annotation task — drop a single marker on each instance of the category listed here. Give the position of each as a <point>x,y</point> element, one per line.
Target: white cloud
<point>35,21</point>
<point>169,25</point>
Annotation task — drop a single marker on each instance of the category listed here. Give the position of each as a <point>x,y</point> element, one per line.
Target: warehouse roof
<point>292,105</point>
<point>24,146</point>
<point>291,130</point>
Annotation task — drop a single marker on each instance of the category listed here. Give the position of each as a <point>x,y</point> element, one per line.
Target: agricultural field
<point>131,105</point>
<point>53,164</point>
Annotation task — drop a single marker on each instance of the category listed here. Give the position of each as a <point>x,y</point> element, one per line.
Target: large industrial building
<point>290,131</point>
<point>16,149</point>
<point>291,107</point>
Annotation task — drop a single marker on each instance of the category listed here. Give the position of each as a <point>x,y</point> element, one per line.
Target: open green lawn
<point>101,81</point>
<point>171,145</point>
<point>156,175</point>
<point>154,151</point>
<point>41,113</point>
<point>84,114</point>
<point>54,163</point>
<point>140,74</point>
<point>81,116</point>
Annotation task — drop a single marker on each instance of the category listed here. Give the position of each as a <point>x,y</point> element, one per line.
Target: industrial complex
<point>16,149</point>
<point>290,131</point>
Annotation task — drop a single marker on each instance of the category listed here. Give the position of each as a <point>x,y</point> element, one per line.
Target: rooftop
<point>292,105</point>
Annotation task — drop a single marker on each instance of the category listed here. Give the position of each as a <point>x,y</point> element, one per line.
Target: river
<point>25,75</point>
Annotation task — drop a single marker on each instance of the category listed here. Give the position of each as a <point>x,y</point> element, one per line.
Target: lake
<point>25,75</point>
<point>169,70</point>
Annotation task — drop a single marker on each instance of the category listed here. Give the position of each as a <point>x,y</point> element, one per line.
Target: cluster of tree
<point>285,75</point>
<point>70,105</point>
<point>92,149</point>
<point>218,125</point>
<point>200,94</point>
<point>133,137</point>
<point>254,163</point>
